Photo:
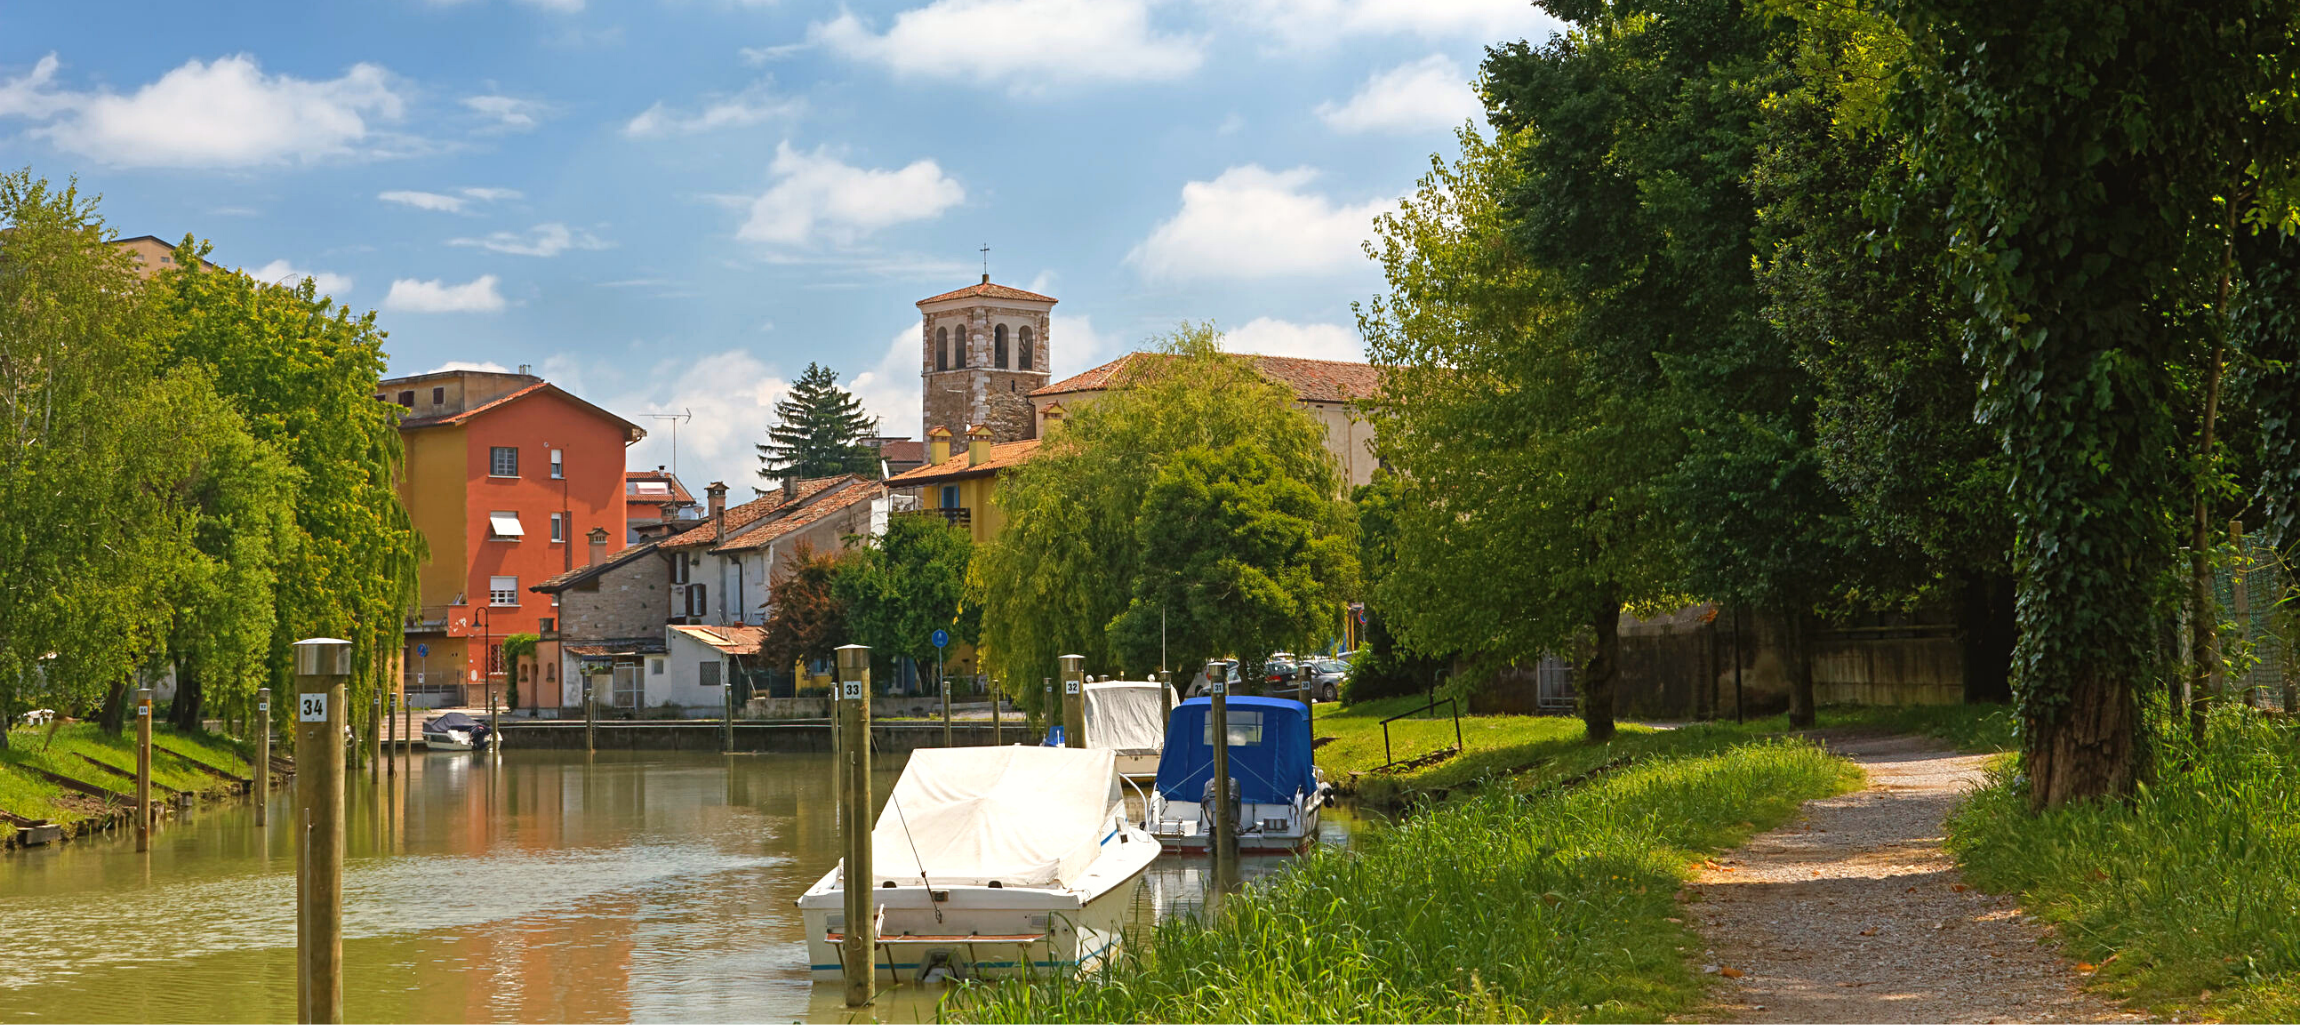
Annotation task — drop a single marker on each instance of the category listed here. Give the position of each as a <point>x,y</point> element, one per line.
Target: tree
<point>818,432</point>
<point>1383,668</point>
<point>900,587</point>
<point>806,621</point>
<point>1237,556</point>
<point>516,647</point>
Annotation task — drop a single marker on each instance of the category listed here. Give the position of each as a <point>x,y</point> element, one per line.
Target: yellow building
<point>962,489</point>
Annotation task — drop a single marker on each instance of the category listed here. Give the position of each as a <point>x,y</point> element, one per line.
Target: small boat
<point>1128,719</point>
<point>1273,777</point>
<point>454,731</point>
<point>991,861</point>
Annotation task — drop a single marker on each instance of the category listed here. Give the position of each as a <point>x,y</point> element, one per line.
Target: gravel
<point>1853,913</point>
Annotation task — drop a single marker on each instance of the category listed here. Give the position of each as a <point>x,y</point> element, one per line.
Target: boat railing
<point>1451,704</point>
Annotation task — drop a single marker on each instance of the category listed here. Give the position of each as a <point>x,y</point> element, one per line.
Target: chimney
<point>977,444</point>
<point>986,277</point>
<point>526,369</point>
<point>938,446</point>
<point>598,539</point>
<point>1051,415</point>
<point>718,495</point>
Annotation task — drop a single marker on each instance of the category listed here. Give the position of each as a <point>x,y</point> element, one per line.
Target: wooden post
<point>1073,700</point>
<point>861,947</point>
<point>391,737</point>
<point>375,740</point>
<point>321,665</point>
<point>1049,709</point>
<point>727,722</point>
<point>1165,698</point>
<point>590,717</point>
<point>494,727</point>
<point>1224,847</point>
<point>997,722</point>
<point>144,769</point>
<point>263,755</point>
<point>942,683</point>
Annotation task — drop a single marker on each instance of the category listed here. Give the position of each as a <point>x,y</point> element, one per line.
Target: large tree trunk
<point>185,711</point>
<point>1800,669</point>
<point>115,714</point>
<point>2090,749</point>
<point>1990,627</point>
<point>1604,668</point>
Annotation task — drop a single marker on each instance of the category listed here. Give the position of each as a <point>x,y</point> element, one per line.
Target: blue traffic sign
<point>423,651</point>
<point>941,638</point>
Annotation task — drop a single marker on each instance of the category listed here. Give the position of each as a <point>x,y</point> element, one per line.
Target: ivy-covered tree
<point>900,587</point>
<point>818,432</point>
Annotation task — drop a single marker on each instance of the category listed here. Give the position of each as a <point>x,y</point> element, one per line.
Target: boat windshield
<point>1245,729</point>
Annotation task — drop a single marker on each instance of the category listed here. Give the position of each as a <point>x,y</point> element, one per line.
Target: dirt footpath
<point>1853,913</point>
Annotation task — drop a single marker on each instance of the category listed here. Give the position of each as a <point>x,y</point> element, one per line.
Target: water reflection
<point>550,885</point>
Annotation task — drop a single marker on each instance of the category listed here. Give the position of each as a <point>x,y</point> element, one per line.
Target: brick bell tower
<point>983,351</point>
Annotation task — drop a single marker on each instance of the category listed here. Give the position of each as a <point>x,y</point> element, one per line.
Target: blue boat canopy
<point>1269,750</point>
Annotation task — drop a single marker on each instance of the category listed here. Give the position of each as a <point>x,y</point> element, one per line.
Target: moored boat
<point>1274,778</point>
<point>1128,719</point>
<point>991,861</point>
<point>454,731</point>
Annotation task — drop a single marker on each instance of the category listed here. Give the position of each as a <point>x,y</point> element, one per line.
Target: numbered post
<point>1073,700</point>
<point>590,718</point>
<point>322,665</point>
<point>263,755</point>
<point>144,769</point>
<point>1225,845</point>
<point>861,942</point>
<point>727,724</point>
<point>494,727</point>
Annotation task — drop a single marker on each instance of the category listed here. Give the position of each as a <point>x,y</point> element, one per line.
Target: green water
<point>541,886</point>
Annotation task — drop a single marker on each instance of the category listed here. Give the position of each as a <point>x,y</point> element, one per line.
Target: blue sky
<point>676,204</point>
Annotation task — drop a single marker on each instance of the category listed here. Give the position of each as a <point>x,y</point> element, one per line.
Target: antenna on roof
<point>676,419</point>
<point>986,263</point>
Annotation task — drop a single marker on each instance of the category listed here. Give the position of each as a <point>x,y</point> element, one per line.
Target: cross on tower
<point>986,261</point>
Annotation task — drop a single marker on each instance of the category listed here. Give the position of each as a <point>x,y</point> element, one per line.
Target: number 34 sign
<point>311,707</point>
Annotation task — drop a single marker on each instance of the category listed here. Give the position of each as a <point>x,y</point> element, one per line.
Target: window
<point>558,464</point>
<point>678,567</point>
<point>958,353</point>
<point>504,526</point>
<point>654,667</point>
<point>494,660</point>
<point>707,673</point>
<point>502,461</point>
<point>550,673</point>
<point>1245,729</point>
<point>1022,353</point>
<point>698,601</point>
<point>502,591</point>
<point>407,399</point>
<point>950,496</point>
<point>942,348</point>
<point>558,528</point>
<point>439,395</point>
<point>998,347</point>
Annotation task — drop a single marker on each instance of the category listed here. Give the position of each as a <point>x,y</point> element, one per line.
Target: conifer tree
<point>818,431</point>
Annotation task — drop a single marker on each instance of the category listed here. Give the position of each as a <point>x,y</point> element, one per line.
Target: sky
<point>673,206</point>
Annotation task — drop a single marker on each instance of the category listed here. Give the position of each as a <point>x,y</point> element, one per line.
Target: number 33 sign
<point>311,707</point>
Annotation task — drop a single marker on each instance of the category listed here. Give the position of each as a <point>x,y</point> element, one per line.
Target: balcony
<point>955,516</point>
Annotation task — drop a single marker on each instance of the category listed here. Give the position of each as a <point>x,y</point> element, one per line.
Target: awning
<point>506,524</point>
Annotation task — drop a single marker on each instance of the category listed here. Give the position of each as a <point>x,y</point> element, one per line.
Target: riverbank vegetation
<point>1558,903</point>
<point>92,755</point>
<point>2186,897</point>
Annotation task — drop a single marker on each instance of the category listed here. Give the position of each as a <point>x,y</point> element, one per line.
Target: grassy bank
<point>1503,905</point>
<point>2188,897</point>
<point>74,746</point>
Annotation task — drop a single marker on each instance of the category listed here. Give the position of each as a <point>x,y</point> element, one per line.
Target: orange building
<point>504,473</point>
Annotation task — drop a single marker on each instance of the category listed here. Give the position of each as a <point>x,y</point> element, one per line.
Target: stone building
<point>982,351</point>
<point>608,626</point>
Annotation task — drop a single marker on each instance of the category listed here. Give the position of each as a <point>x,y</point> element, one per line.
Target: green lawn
<point>22,793</point>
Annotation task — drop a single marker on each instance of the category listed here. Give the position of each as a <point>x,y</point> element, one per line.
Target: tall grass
<point>1500,906</point>
<point>2193,887</point>
<point>24,794</point>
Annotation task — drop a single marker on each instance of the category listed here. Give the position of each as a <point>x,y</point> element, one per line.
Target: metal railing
<point>956,516</point>
<point>1390,758</point>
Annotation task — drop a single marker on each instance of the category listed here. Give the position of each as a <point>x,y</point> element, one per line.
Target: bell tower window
<point>998,347</point>
<point>1023,354</point>
<point>942,348</point>
<point>960,357</point>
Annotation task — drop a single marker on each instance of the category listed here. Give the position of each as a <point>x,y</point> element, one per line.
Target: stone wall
<point>630,600</point>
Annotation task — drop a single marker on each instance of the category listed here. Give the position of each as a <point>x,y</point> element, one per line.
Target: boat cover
<point>1269,750</point>
<point>452,721</point>
<point>1126,716</point>
<point>1024,816</point>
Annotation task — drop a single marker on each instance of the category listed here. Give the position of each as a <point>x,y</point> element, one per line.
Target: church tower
<point>983,351</point>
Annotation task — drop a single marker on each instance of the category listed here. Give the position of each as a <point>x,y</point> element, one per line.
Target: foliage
<point>807,620</point>
<point>516,647</point>
<point>818,432</point>
<point>1382,667</point>
<point>900,587</point>
<point>1069,559</point>
<point>1502,907</point>
<point>67,754</point>
<point>2191,886</point>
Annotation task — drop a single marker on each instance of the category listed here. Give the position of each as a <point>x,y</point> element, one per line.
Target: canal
<point>545,885</point>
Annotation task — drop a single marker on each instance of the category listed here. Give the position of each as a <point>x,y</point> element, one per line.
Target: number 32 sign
<point>311,707</point>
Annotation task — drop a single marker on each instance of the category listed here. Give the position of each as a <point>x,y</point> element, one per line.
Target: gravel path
<point>1853,913</point>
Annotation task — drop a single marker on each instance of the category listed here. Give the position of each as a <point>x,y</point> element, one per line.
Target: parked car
<point>1314,680</point>
<point>1198,688</point>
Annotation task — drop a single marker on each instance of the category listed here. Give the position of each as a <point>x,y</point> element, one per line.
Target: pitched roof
<point>583,573</point>
<point>749,512</point>
<point>903,451</point>
<point>733,640</point>
<point>1313,380</point>
<point>678,492</point>
<point>986,290</point>
<point>779,527</point>
<point>632,431</point>
<point>1013,453</point>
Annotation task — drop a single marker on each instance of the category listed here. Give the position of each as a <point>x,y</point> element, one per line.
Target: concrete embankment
<point>790,737</point>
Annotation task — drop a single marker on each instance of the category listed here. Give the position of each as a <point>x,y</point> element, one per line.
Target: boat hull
<point>451,741</point>
<point>1139,768</point>
<point>1280,831</point>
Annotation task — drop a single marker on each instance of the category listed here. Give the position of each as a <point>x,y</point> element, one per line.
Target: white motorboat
<point>454,731</point>
<point>1274,778</point>
<point>991,861</point>
<point>1128,719</point>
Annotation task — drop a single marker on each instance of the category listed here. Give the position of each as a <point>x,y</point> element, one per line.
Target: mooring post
<point>942,683</point>
<point>375,740</point>
<point>590,718</point>
<point>494,728</point>
<point>997,722</point>
<point>727,722</point>
<point>1165,698</point>
<point>321,666</point>
<point>144,769</point>
<point>1073,700</point>
<point>861,942</point>
<point>263,755</point>
<point>1049,710</point>
<point>1224,847</point>
<point>391,738</point>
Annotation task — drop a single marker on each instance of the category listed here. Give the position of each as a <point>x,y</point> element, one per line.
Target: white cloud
<point>444,202</point>
<point>1317,22</point>
<point>1428,94</point>
<point>436,296</point>
<point>484,366</point>
<point>1265,336</point>
<point>1251,223</point>
<point>818,197</point>
<point>509,113</point>
<point>549,239</point>
<point>752,106</point>
<point>220,114</point>
<point>280,272</point>
<point>889,389</point>
<point>1029,46</point>
<point>732,395</point>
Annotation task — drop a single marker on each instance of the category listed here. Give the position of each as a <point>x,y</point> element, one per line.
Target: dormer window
<point>439,395</point>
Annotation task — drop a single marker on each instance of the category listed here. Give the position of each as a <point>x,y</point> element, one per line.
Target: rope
<point>914,857</point>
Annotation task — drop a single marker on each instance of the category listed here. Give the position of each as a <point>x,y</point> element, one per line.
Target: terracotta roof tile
<point>733,640</point>
<point>737,516</point>
<point>581,573</point>
<point>986,290</point>
<point>634,431</point>
<point>807,515</point>
<point>679,492</point>
<point>1313,380</point>
<point>1013,453</point>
